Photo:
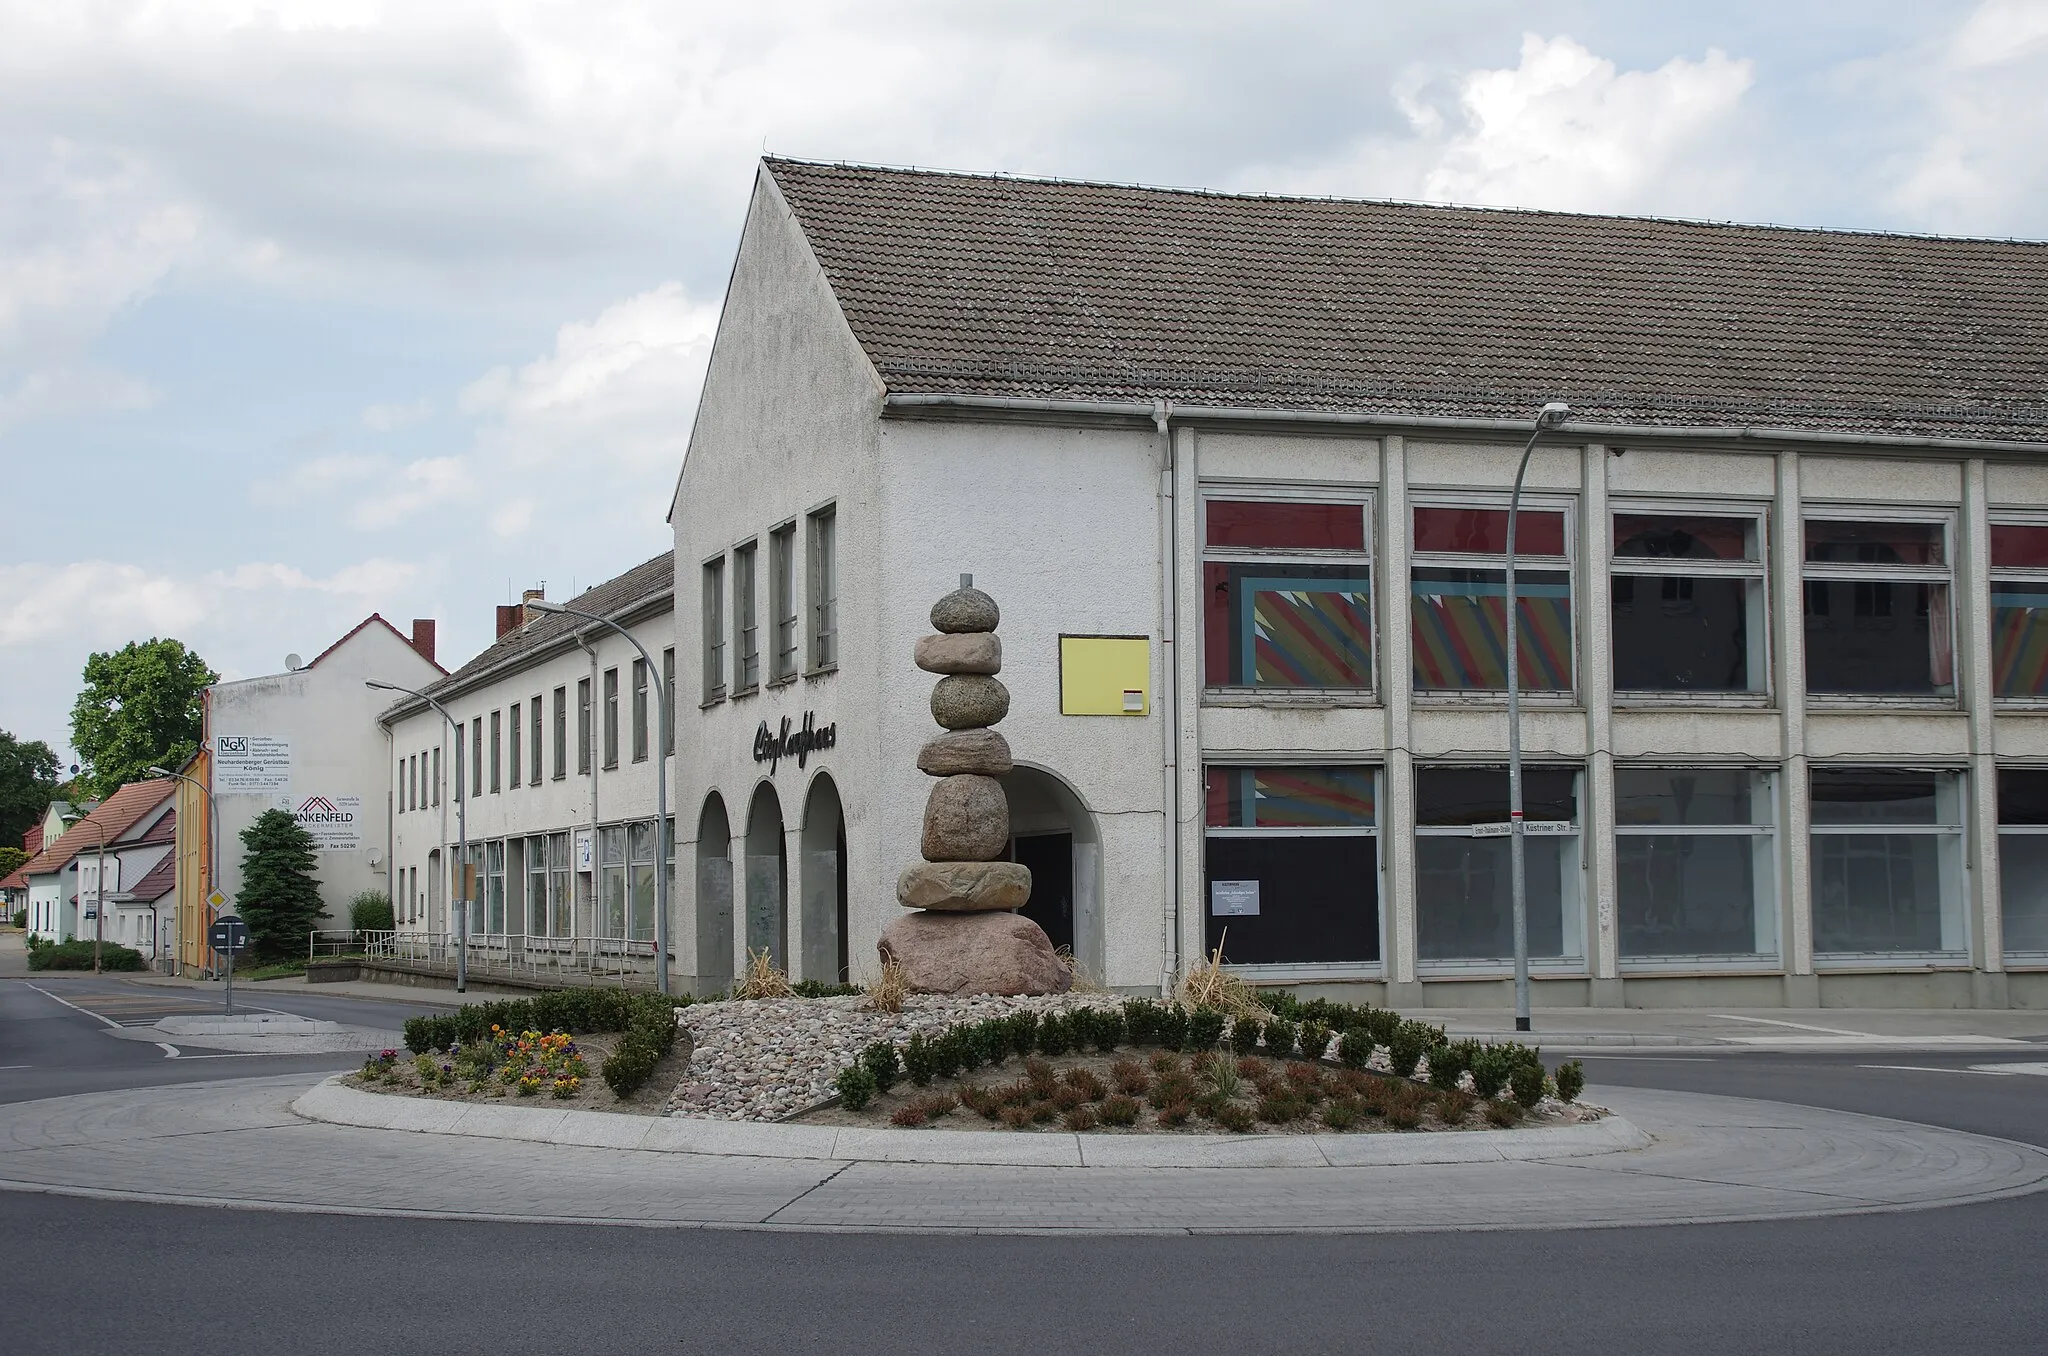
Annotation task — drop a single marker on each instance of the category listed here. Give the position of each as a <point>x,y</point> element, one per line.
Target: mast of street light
<point>1552,416</point>
<point>661,834</point>
<point>462,840</point>
<point>212,847</point>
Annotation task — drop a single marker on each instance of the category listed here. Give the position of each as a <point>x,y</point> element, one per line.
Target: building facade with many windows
<point>1237,470</point>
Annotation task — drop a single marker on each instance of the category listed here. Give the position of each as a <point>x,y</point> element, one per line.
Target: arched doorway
<point>714,897</point>
<point>1053,833</point>
<point>824,884</point>
<point>767,878</point>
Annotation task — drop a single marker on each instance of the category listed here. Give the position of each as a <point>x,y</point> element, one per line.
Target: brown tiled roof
<point>648,580</point>
<point>116,815</point>
<point>967,284</point>
<point>158,881</point>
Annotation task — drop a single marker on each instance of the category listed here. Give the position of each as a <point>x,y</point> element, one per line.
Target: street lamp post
<point>1552,416</point>
<point>660,786</point>
<point>212,846</point>
<point>462,840</point>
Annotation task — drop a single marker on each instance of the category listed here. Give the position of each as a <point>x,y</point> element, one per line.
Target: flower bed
<point>553,1068</point>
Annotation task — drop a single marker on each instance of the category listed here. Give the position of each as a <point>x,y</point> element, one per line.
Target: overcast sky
<point>309,310</point>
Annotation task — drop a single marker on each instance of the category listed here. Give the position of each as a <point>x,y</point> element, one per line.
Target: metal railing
<point>561,960</point>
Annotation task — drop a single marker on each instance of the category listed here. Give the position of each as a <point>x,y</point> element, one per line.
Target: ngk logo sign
<point>335,822</point>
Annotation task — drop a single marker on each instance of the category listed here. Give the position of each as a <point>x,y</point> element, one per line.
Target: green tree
<point>28,779</point>
<point>280,898</point>
<point>141,707</point>
<point>11,859</point>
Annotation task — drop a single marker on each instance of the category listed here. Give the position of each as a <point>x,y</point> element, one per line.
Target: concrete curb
<point>336,1104</point>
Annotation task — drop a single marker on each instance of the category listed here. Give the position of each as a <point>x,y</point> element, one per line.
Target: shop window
<point>1887,862</point>
<point>560,900</point>
<point>611,887</point>
<point>1458,600</point>
<point>1464,903</point>
<point>640,912</point>
<point>714,632</point>
<point>1877,609</point>
<point>1287,595</point>
<point>824,584</point>
<point>2019,610</point>
<point>1687,604</point>
<point>1292,868</point>
<point>494,887</point>
<point>2023,862</point>
<point>1695,863</point>
<point>746,618</point>
<point>536,886</point>
<point>782,593</point>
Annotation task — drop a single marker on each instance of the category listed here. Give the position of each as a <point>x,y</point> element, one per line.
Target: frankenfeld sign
<point>771,747</point>
<point>335,822</point>
<point>245,764</point>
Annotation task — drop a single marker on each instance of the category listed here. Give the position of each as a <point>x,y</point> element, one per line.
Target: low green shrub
<point>1244,1035</point>
<point>1314,1038</point>
<point>1141,1021</point>
<point>918,1064</point>
<point>818,988</point>
<point>1204,1029</point>
<point>856,1085</point>
<point>78,956</point>
<point>1526,1082</point>
<point>1491,1069</point>
<point>1354,1048</point>
<point>370,911</point>
<point>1281,1036</point>
<point>1281,1004</point>
<point>1171,1027</point>
<point>1023,1033</point>
<point>883,1063</point>
<point>20,919</point>
<point>1406,1047</point>
<point>1571,1080</point>
<point>1055,1034</point>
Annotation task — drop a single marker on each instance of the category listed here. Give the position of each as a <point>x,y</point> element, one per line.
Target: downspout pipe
<point>1169,704</point>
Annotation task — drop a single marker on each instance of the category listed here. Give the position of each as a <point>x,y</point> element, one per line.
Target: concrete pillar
<point>1788,625</point>
<point>1973,685</point>
<point>1596,687</point>
<point>1397,686</point>
<point>1181,629</point>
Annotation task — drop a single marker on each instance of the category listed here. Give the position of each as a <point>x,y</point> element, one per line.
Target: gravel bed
<point>768,1058</point>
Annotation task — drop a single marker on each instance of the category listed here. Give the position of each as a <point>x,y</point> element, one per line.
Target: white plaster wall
<point>1643,471</point>
<point>1886,480</point>
<point>1239,730</point>
<point>1434,465</point>
<point>787,423</point>
<point>1902,734</point>
<point>1678,733</point>
<point>2016,484</point>
<point>330,717</point>
<point>1266,458</point>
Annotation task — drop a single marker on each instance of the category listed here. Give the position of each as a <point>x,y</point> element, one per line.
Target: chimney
<point>423,637</point>
<point>510,617</point>
<point>527,614</point>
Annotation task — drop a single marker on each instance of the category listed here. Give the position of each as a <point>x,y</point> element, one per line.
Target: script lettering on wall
<point>772,746</point>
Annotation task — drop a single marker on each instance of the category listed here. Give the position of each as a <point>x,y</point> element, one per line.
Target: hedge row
<point>78,956</point>
<point>647,1022</point>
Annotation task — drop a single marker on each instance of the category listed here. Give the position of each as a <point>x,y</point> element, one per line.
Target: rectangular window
<point>611,885</point>
<point>533,755</point>
<point>746,618</point>
<point>1458,600</point>
<point>1688,603</point>
<point>560,900</point>
<point>536,886</point>
<point>611,718</point>
<point>640,908</point>
<point>639,710</point>
<point>1695,863</point>
<point>494,887</point>
<point>1877,609</point>
<point>1464,902</point>
<point>714,630</point>
<point>1887,863</point>
<point>405,784</point>
<point>1287,595</point>
<point>668,701</point>
<point>513,762</point>
<point>561,733</point>
<point>434,783</point>
<point>476,757</point>
<point>461,764</point>
<point>583,727</point>
<point>2019,610</point>
<point>497,742</point>
<point>1292,865</point>
<point>2023,861</point>
<point>782,594</point>
<point>824,586</point>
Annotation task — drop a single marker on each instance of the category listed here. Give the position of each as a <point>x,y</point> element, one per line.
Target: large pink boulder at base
<point>963,953</point>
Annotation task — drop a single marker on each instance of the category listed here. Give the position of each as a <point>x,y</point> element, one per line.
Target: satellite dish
<point>294,663</point>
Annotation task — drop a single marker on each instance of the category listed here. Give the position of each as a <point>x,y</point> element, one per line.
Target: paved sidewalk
<point>1713,1159</point>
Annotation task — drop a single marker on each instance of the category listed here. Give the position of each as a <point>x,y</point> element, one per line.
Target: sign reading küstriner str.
<point>251,763</point>
<point>771,747</point>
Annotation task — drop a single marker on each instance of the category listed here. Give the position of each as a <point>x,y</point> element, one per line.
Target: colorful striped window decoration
<point>1459,622</point>
<point>1290,797</point>
<point>1275,623</point>
<point>2019,639</point>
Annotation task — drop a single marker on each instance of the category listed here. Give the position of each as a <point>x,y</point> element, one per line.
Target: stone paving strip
<point>238,1143</point>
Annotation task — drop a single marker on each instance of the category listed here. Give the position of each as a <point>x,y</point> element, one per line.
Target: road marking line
<point>75,1008</point>
<point>1796,1026</point>
<point>17,1066</point>
<point>2037,1070</point>
<point>1925,1068</point>
<point>170,1051</point>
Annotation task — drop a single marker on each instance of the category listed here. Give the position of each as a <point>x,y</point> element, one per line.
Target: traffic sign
<point>229,935</point>
<point>216,901</point>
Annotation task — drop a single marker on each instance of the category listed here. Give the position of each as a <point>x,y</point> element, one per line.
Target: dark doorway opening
<point>1051,859</point>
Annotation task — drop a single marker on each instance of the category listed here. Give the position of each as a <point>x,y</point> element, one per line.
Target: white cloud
<point>392,417</point>
<point>1979,167</point>
<point>1563,129</point>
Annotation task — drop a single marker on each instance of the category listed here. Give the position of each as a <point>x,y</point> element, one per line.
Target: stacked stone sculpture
<point>965,936</point>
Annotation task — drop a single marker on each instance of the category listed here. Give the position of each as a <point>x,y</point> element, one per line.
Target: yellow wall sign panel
<point>1105,675</point>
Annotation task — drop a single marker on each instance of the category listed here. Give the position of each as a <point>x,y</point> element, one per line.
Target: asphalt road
<point>189,1280</point>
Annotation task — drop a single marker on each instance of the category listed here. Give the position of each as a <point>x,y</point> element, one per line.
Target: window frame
<point>667,723</point>
<point>1563,502</point>
<point>1494,967</point>
<point>1308,971</point>
<point>746,617</point>
<point>1946,516</point>
<point>512,749</point>
<point>1954,904</point>
<point>713,619</point>
<point>561,732</point>
<point>434,782</point>
<point>1760,640</point>
<point>1997,574</point>
<point>610,718</point>
<point>2015,958</point>
<point>535,726</point>
<point>821,579</point>
<point>460,763</point>
<point>476,753</point>
<point>782,658</point>
<point>1711,962</point>
<point>1365,498</point>
<point>586,727</point>
<point>642,681</point>
<point>497,747</point>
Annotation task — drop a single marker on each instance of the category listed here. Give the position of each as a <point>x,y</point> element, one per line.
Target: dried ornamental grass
<point>886,994</point>
<point>763,979</point>
<point>1209,985</point>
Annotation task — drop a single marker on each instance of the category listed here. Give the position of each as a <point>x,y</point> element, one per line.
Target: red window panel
<point>1481,531</point>
<point>2019,546</point>
<point>1309,527</point>
<point>1846,543</point>
<point>1643,536</point>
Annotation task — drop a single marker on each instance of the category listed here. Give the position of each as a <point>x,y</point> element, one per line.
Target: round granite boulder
<point>965,610</point>
<point>983,752</point>
<point>967,652</point>
<point>964,887</point>
<point>966,819</point>
<point>969,701</point>
<point>963,953</point>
